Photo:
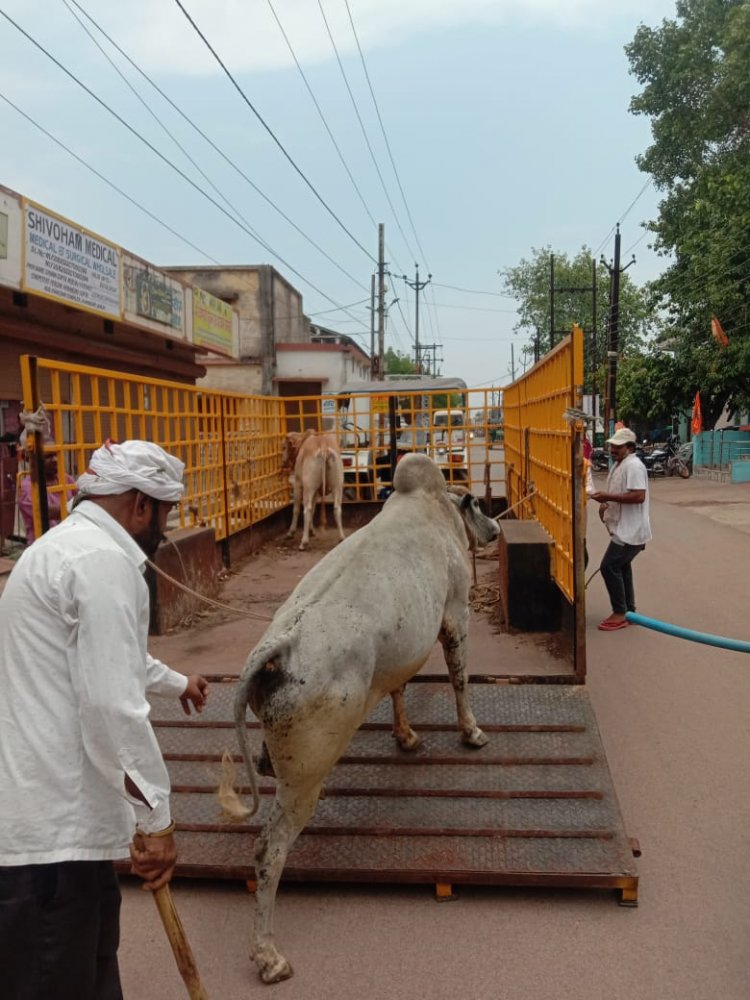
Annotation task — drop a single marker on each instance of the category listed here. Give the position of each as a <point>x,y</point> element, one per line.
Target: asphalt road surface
<point>674,721</point>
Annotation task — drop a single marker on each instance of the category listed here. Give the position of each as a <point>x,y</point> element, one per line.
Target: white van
<point>449,443</point>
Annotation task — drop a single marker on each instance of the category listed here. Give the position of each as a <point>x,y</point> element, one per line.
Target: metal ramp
<point>535,807</point>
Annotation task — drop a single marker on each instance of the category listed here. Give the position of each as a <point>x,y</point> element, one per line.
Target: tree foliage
<point>529,283</point>
<point>696,90</point>
<point>396,363</point>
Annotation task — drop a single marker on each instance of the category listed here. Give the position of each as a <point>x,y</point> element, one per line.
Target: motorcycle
<point>666,461</point>
<point>599,460</point>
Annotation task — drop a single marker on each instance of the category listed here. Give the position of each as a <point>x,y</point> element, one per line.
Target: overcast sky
<point>507,121</point>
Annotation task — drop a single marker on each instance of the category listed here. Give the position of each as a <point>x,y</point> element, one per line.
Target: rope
<point>207,600</point>
<point>518,504</point>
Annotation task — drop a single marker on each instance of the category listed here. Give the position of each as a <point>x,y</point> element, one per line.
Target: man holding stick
<point>82,780</point>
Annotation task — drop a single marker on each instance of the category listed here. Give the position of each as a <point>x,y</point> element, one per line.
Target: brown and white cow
<point>355,629</point>
<point>315,462</point>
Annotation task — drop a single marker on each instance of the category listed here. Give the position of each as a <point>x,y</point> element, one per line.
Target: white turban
<point>133,465</point>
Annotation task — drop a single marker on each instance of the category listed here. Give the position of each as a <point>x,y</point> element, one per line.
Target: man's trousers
<point>59,931</point>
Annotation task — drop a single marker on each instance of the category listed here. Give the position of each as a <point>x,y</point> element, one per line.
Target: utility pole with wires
<point>373,356</point>
<point>381,301</point>
<point>614,332</point>
<point>418,286</point>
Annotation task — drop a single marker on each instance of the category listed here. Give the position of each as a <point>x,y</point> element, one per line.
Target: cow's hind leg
<point>404,735</point>
<point>290,811</point>
<point>453,640</point>
<point>337,498</point>
<point>308,508</point>
<point>297,499</point>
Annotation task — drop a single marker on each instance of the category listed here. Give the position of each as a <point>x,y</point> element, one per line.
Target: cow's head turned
<point>480,529</point>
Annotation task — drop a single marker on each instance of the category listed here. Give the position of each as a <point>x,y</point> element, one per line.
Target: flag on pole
<point>718,333</point>
<point>696,424</point>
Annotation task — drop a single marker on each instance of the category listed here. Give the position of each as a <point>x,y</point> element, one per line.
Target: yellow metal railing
<point>231,444</point>
<point>539,459</point>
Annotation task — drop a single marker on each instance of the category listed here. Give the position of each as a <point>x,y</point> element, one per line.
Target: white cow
<point>355,629</point>
<point>318,469</point>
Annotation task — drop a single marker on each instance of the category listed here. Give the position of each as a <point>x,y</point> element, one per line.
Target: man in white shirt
<point>624,511</point>
<point>82,780</point>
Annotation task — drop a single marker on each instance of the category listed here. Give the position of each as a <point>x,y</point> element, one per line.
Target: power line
<point>473,291</point>
<point>393,165</point>
<point>385,136</point>
<point>624,214</point>
<point>203,135</point>
<point>320,113</point>
<point>361,124</point>
<point>106,180</point>
<point>270,131</point>
<point>163,158</point>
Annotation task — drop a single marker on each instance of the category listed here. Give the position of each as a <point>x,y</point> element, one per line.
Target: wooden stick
<point>181,949</point>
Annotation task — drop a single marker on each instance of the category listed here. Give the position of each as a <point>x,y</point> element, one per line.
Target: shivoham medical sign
<point>62,261</point>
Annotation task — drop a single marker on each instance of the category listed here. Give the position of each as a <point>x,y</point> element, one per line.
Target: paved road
<point>674,721</point>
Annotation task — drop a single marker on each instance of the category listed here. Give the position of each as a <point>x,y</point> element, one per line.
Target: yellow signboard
<point>212,323</point>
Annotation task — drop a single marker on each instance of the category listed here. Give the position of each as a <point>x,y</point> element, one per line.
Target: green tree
<point>529,283</point>
<point>396,363</point>
<point>696,90</point>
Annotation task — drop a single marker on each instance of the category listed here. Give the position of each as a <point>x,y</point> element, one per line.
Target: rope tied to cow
<point>256,616</point>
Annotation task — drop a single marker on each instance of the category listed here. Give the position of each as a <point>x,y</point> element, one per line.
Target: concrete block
<point>192,557</point>
<point>530,598</point>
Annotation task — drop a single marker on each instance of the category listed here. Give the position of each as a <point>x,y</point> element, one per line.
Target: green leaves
<point>696,90</point>
<point>529,283</point>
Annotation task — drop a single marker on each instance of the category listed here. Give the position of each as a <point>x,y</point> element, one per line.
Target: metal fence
<point>540,452</point>
<point>231,444</point>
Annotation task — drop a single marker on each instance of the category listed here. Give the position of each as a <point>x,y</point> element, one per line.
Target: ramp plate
<point>536,806</point>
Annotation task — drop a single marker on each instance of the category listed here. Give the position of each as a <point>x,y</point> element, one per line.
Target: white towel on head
<point>133,465</point>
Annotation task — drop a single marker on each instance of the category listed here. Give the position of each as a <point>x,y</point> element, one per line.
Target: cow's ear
<point>466,501</point>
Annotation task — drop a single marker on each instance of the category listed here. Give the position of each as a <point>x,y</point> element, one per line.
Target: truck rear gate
<point>535,807</point>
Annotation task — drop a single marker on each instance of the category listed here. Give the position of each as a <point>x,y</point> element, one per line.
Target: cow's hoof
<point>277,972</point>
<point>410,742</point>
<point>303,546</point>
<point>272,967</point>
<point>476,738</point>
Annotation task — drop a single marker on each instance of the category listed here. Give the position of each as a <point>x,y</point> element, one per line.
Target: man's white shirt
<point>74,670</point>
<point>628,522</point>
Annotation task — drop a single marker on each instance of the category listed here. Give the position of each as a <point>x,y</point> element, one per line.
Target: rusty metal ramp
<point>536,806</point>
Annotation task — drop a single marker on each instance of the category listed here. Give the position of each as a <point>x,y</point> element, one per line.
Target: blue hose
<point>738,645</point>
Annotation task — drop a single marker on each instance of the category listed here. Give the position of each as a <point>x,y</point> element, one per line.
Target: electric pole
<point>418,286</point>
<point>381,301</point>
<point>614,332</point>
<point>373,356</point>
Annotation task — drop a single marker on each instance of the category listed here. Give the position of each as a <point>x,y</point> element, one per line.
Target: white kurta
<point>74,671</point>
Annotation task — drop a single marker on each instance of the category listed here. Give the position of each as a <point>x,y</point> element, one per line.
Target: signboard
<point>62,261</point>
<point>213,323</point>
<point>379,404</point>
<point>150,295</point>
<point>10,239</point>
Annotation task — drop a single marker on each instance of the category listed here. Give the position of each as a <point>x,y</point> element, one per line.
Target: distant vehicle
<point>449,445</point>
<point>378,422</point>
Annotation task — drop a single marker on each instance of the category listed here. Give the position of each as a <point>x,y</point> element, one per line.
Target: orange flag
<point>696,424</point>
<point>718,333</point>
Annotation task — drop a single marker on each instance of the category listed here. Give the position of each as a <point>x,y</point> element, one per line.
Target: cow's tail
<point>232,807</point>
